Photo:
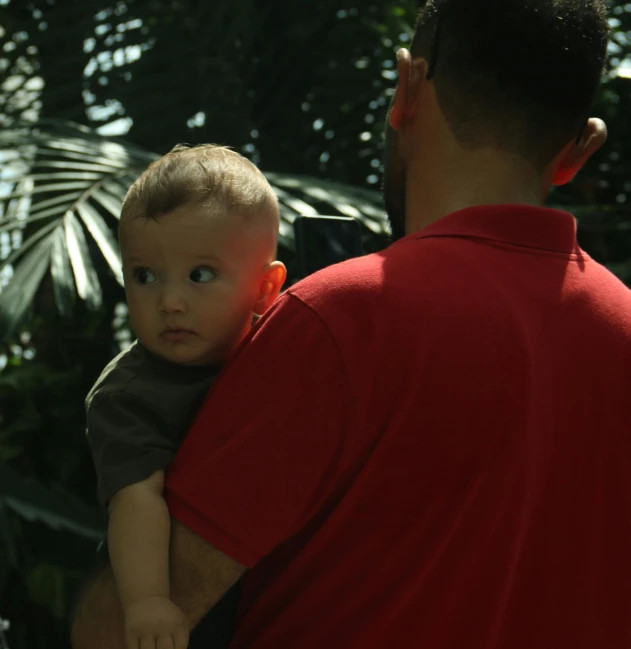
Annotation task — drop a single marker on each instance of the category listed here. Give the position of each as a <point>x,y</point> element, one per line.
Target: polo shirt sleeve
<point>266,448</point>
<point>128,439</point>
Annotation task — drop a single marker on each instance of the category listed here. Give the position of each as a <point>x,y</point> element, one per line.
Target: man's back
<point>491,362</point>
<point>453,467</point>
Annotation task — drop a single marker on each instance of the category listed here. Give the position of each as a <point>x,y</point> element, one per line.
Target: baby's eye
<point>202,275</point>
<point>144,276</point>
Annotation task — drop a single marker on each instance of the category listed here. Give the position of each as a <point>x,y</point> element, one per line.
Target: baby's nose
<point>172,302</point>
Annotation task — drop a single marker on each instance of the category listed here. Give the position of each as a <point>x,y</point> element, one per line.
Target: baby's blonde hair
<point>206,174</point>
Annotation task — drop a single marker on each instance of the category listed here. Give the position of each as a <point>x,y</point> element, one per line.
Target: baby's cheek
<point>141,318</point>
<point>235,324</point>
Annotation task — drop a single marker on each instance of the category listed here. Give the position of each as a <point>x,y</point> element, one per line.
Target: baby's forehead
<point>197,228</point>
<point>238,222</point>
<point>202,215</point>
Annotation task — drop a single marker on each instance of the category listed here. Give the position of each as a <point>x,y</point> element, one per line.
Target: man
<point>430,447</point>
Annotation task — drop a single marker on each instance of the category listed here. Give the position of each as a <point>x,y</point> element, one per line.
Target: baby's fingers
<point>147,641</point>
<point>132,641</point>
<point>164,642</point>
<point>180,640</point>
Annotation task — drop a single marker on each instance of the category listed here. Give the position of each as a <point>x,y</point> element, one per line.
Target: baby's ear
<point>270,286</point>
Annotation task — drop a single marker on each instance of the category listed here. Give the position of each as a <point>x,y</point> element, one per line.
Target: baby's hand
<point>155,623</point>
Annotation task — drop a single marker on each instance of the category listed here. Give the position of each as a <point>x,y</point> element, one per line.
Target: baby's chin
<point>184,354</point>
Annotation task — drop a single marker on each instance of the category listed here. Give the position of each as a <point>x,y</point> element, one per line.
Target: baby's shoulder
<point>120,374</point>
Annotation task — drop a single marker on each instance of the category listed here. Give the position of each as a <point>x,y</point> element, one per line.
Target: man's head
<point>198,235</point>
<point>514,76</point>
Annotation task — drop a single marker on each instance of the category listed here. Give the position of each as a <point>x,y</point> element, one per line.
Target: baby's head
<point>198,234</point>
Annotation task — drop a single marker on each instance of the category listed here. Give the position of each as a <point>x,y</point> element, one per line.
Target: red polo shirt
<point>429,448</point>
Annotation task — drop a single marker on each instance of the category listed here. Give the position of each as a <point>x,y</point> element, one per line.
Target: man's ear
<point>270,285</point>
<point>576,154</point>
<point>411,72</point>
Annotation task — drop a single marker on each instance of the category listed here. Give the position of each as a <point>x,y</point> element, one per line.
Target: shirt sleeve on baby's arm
<point>267,446</point>
<point>128,441</point>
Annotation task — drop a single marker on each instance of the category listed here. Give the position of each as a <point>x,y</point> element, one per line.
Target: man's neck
<point>480,178</point>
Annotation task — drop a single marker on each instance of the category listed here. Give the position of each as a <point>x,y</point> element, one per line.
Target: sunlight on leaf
<point>57,509</point>
<point>17,296</point>
<point>112,205</point>
<point>28,244</point>
<point>88,285</point>
<point>61,270</point>
<point>103,236</point>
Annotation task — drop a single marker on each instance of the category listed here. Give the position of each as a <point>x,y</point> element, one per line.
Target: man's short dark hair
<point>516,75</point>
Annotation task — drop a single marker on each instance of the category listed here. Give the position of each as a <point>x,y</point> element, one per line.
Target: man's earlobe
<point>412,74</point>
<point>576,154</point>
<point>398,107</point>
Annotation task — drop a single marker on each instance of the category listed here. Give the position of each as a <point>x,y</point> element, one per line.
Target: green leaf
<point>53,507</point>
<point>67,198</point>
<point>103,236</point>
<point>67,175</point>
<point>119,189</point>
<point>61,271</point>
<point>363,204</point>
<point>295,203</point>
<point>111,204</point>
<point>17,296</point>
<point>68,155</point>
<point>17,224</point>
<point>85,276</point>
<point>28,244</point>
<point>46,586</point>
<point>52,187</point>
<point>113,166</point>
<point>72,146</point>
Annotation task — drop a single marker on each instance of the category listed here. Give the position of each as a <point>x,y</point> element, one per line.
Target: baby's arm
<point>138,540</point>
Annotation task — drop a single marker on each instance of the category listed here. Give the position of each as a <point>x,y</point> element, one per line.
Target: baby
<point>198,234</point>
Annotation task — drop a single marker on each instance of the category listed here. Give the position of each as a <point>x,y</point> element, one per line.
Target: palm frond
<point>53,507</point>
<point>61,271</point>
<point>88,286</point>
<point>62,188</point>
<point>53,190</point>
<point>17,296</point>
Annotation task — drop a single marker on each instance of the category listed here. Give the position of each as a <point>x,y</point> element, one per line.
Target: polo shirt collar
<point>520,225</point>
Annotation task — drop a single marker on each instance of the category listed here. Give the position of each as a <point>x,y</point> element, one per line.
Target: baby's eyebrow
<point>206,257</point>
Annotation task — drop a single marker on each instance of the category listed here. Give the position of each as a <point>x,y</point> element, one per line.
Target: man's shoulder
<point>350,279</point>
<point>365,279</point>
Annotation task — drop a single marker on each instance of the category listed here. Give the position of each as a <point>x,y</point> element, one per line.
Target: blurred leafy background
<point>90,92</point>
